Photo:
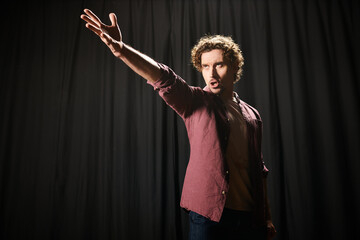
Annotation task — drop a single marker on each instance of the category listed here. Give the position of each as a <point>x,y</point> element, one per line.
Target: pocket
<point>197,218</point>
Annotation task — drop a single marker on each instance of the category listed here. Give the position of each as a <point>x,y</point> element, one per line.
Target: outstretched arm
<point>143,65</point>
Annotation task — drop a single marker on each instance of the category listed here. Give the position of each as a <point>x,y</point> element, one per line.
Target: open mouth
<point>214,83</point>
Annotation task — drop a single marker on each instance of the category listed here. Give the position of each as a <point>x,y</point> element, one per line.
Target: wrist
<point>121,49</point>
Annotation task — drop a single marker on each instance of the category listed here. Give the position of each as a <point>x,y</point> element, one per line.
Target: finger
<point>93,17</point>
<point>89,20</point>
<point>272,233</point>
<point>113,19</point>
<point>94,29</point>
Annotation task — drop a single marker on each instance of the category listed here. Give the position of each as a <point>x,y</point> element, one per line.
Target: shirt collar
<point>236,97</point>
<point>206,89</point>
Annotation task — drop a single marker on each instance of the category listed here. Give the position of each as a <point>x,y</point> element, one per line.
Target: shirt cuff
<point>165,79</point>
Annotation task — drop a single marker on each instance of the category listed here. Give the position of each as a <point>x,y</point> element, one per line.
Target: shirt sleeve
<point>174,90</point>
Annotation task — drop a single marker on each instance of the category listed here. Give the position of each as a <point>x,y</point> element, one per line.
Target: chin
<point>216,91</point>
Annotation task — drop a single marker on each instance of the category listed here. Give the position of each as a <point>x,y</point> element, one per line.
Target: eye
<point>219,65</point>
<point>205,66</point>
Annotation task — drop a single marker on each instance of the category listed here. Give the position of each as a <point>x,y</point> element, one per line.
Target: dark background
<point>89,151</point>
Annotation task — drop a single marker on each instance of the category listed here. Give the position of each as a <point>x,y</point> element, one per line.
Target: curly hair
<point>231,51</point>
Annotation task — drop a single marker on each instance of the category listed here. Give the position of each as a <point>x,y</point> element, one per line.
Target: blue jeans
<point>233,225</point>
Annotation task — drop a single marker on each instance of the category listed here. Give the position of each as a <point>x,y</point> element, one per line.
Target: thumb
<point>113,19</point>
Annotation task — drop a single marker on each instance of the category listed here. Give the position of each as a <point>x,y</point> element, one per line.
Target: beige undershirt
<point>239,194</point>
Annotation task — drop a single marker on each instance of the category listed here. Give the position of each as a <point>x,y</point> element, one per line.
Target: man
<point>225,186</point>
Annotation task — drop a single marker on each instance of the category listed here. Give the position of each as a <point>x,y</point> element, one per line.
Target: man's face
<point>218,72</point>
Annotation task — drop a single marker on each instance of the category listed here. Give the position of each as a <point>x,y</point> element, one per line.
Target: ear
<point>235,69</point>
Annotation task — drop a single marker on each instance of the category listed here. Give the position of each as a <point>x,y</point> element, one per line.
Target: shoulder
<point>251,110</point>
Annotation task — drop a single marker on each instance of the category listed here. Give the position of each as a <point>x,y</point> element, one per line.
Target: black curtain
<point>88,150</point>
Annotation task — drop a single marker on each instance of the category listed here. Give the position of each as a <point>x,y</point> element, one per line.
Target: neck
<point>226,96</point>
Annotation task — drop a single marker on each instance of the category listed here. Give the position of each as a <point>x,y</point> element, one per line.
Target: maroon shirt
<point>206,180</point>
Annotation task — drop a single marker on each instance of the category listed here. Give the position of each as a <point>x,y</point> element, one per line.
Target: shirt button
<point>223,192</point>
<point>227,172</point>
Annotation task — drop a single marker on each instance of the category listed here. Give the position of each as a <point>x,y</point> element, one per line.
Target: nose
<point>213,72</point>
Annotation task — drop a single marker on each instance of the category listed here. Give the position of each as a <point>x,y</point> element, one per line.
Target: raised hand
<point>143,65</point>
<point>109,34</point>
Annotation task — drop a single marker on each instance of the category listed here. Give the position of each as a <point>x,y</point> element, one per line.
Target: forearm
<point>270,228</point>
<point>267,205</point>
<point>143,65</point>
